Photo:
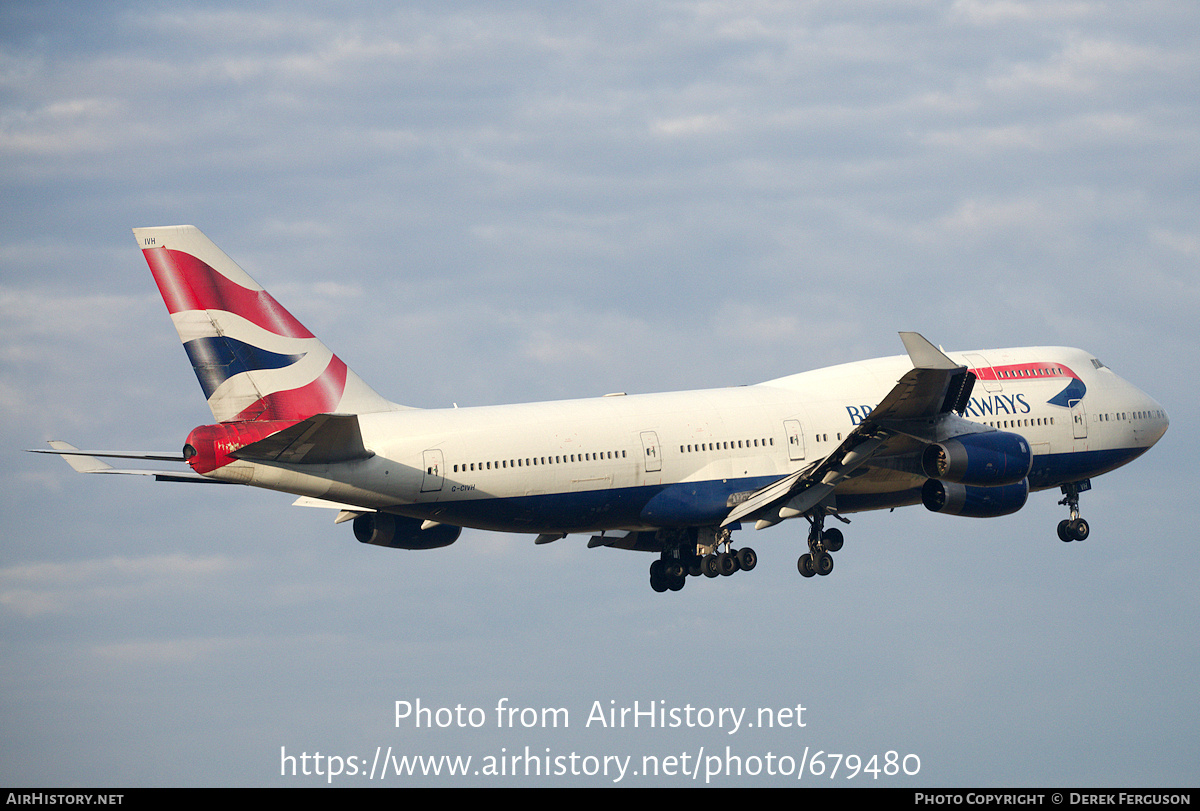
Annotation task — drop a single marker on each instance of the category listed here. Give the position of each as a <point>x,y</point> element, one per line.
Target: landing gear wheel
<point>726,564</point>
<point>747,559</point>
<point>822,543</point>
<point>1076,529</point>
<point>667,575</point>
<point>658,582</point>
<point>832,539</point>
<point>1079,529</point>
<point>709,566</point>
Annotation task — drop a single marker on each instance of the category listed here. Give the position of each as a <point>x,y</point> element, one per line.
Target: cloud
<point>33,589</point>
<point>482,203</point>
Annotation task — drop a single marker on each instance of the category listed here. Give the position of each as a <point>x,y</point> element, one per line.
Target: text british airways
<point>976,407</point>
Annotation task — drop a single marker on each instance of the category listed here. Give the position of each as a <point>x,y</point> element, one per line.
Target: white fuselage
<point>681,459</point>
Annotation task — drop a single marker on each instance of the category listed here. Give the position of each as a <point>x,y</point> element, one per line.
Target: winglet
<point>925,355</point>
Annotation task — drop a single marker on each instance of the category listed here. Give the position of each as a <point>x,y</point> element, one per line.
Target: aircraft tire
<point>1079,529</point>
<point>823,563</point>
<point>710,566</point>
<point>805,565</point>
<point>658,576</point>
<point>726,564</point>
<point>832,539</point>
<point>747,560</point>
<point>1064,531</point>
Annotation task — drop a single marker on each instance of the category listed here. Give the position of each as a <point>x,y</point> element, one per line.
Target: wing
<point>920,406</point>
<point>89,462</point>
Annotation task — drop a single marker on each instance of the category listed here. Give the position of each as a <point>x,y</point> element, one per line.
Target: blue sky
<point>478,203</point>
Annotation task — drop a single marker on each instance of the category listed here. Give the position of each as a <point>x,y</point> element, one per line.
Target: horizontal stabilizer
<point>320,440</point>
<point>64,449</point>
<point>88,462</point>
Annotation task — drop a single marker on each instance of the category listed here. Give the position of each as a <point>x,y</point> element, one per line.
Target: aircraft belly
<point>582,511</point>
<point>647,506</point>
<point>1055,469</point>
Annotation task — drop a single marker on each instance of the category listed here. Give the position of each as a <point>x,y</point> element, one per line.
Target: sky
<point>477,203</point>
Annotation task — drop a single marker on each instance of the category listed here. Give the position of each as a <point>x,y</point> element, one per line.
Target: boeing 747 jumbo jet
<point>968,434</point>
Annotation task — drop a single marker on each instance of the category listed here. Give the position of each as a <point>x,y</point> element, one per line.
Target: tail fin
<point>253,359</point>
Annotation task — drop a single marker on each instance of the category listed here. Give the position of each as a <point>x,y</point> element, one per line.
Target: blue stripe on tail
<point>218,359</point>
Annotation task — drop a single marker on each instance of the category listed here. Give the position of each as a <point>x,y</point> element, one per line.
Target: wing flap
<point>346,512</point>
<point>799,492</point>
<point>933,387</point>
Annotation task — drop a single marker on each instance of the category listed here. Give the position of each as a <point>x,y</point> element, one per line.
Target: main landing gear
<point>698,555</point>
<point>1074,528</point>
<point>821,544</point>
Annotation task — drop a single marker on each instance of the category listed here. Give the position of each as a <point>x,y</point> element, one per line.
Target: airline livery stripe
<point>215,360</point>
<point>1024,371</point>
<point>1038,371</point>
<point>318,397</point>
<point>186,283</point>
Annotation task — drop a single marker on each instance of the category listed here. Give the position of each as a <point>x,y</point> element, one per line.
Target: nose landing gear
<point>1076,527</point>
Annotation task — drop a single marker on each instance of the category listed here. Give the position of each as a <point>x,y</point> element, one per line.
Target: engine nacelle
<point>988,459</point>
<point>975,502</point>
<point>399,532</point>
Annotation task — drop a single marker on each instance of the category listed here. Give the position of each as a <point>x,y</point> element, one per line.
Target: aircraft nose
<point>1158,419</point>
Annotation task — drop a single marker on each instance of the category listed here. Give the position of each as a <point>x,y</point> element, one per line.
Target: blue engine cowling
<point>974,502</point>
<point>398,532</point>
<point>988,459</point>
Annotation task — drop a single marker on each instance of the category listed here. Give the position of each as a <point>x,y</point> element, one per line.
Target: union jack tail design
<point>254,360</point>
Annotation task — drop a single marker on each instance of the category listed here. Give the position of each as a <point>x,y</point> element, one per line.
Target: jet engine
<point>398,532</point>
<point>988,459</point>
<point>975,502</point>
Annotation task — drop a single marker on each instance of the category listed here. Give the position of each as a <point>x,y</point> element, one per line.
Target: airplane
<point>967,434</point>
